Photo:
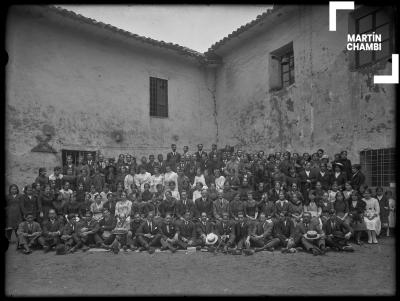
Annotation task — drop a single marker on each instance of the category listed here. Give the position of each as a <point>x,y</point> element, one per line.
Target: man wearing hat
<point>337,233</point>
<point>357,178</point>
<point>284,230</point>
<point>52,229</point>
<point>148,234</point>
<point>261,234</point>
<point>202,228</point>
<point>339,175</point>
<point>169,234</point>
<point>310,236</point>
<point>28,233</point>
<point>225,229</point>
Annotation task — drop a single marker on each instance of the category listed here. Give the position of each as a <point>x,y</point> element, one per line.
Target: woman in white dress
<point>371,217</point>
<point>155,179</point>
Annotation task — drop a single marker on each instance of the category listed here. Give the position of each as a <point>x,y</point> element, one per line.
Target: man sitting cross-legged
<point>86,230</point>
<point>169,234</point>
<point>284,230</point>
<point>261,234</point>
<point>225,229</point>
<point>69,236</point>
<point>133,241</point>
<point>108,223</point>
<point>242,233</point>
<point>310,236</point>
<point>186,229</point>
<point>148,234</point>
<point>337,233</point>
<point>28,233</point>
<point>202,228</point>
<point>52,229</point>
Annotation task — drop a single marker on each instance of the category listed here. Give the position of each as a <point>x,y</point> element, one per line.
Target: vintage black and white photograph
<point>181,150</point>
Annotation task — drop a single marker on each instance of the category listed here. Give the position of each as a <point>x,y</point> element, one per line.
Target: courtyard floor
<point>370,270</point>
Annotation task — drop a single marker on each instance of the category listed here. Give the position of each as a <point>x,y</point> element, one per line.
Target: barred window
<point>378,21</point>
<point>281,67</point>
<point>158,97</point>
<point>378,166</point>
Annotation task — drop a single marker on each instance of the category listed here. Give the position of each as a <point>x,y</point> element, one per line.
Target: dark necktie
<point>306,226</point>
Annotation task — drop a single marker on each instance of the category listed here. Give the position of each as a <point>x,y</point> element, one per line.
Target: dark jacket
<point>168,232</point>
<point>202,206</point>
<point>284,232</point>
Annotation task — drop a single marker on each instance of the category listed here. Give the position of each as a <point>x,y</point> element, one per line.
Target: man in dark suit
<point>324,177</point>
<point>86,230</point>
<point>316,246</point>
<point>85,179</point>
<point>242,233</point>
<point>357,178</point>
<point>186,230</point>
<point>214,151</point>
<point>261,234</point>
<point>346,164</point>
<point>225,229</point>
<point>169,234</point>
<point>52,229</point>
<point>28,233</point>
<point>68,235</point>
<point>337,233</point>
<point>284,230</point>
<point>202,228</point>
<point>199,153</point>
<point>183,205</point>
<point>161,163</point>
<point>151,164</point>
<point>173,158</point>
<point>148,234</point>
<point>203,204</point>
<point>308,179</point>
<point>132,238</point>
<point>90,163</point>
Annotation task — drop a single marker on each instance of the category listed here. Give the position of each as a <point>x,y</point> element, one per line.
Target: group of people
<point>227,201</point>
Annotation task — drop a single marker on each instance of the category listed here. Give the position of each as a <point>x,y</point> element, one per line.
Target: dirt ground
<point>370,270</point>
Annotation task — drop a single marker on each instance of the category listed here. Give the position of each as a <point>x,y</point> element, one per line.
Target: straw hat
<point>311,235</point>
<point>211,239</point>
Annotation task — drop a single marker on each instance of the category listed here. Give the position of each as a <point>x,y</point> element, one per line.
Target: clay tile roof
<point>242,29</point>
<point>171,46</point>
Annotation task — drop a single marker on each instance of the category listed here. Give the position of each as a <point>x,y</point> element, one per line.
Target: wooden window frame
<point>158,97</point>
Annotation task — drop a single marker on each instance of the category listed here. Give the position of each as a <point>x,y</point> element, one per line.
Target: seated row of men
<point>266,233</point>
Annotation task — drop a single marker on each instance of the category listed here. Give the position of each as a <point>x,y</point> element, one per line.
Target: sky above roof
<point>193,26</point>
